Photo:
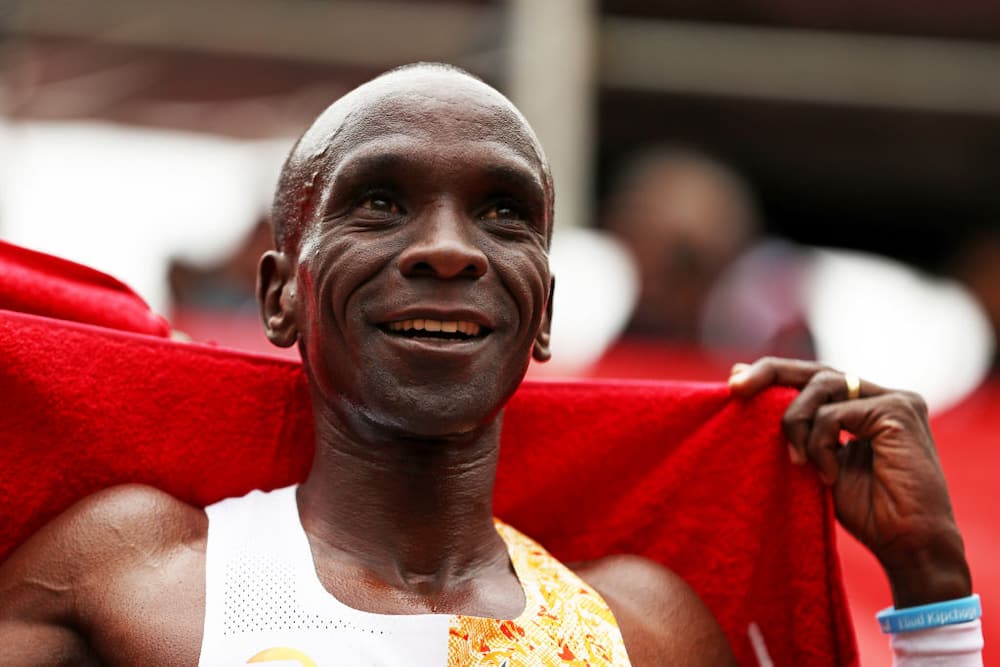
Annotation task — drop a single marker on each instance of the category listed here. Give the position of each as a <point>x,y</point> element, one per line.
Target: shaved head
<point>417,94</point>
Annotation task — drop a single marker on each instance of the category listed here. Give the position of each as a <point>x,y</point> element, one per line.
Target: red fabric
<point>33,282</point>
<point>678,472</point>
<point>967,437</point>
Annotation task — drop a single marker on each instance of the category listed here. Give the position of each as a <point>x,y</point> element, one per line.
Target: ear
<point>541,350</point>
<point>276,294</point>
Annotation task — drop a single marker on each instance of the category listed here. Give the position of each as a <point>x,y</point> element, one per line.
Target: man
<point>685,217</point>
<point>412,222</point>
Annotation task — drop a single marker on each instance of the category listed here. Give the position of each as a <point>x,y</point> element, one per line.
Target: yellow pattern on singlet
<point>565,622</point>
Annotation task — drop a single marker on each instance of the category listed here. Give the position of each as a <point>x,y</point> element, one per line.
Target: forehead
<point>443,110</point>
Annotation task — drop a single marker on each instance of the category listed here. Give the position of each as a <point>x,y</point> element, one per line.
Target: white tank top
<point>264,603</point>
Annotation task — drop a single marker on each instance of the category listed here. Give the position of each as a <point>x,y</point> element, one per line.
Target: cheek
<point>325,279</point>
<point>346,264</point>
<point>526,277</point>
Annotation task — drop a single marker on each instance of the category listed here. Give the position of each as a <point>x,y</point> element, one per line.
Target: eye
<point>503,211</point>
<point>380,203</point>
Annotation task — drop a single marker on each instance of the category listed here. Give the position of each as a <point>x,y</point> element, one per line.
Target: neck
<point>414,512</point>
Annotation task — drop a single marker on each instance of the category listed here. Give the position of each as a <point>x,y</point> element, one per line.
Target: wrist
<point>958,645</point>
<point>930,616</point>
<point>931,572</point>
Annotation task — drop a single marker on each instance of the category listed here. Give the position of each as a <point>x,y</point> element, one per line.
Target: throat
<point>414,518</point>
<point>490,592</point>
<point>447,568</point>
<point>418,523</point>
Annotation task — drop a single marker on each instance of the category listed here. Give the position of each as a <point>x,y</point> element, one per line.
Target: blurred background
<point>734,177</point>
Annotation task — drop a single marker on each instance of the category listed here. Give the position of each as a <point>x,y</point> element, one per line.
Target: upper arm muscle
<point>662,620</point>
<point>45,584</point>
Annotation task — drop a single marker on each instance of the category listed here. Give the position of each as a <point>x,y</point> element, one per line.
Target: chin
<point>436,413</point>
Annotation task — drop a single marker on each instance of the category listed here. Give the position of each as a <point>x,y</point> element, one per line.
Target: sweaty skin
<point>419,198</point>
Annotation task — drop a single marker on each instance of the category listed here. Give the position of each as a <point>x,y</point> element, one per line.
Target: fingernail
<point>794,456</point>
<point>738,368</point>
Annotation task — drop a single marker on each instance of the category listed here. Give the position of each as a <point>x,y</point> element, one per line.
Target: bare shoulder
<point>115,521</point>
<point>106,531</point>
<point>76,567</point>
<point>662,620</point>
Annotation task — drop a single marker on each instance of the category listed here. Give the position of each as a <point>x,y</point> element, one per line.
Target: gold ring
<point>853,386</point>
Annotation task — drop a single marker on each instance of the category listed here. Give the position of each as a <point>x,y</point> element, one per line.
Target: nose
<point>444,248</point>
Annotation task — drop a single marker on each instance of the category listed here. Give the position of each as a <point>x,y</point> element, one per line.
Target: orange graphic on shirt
<point>283,653</point>
<point>565,622</point>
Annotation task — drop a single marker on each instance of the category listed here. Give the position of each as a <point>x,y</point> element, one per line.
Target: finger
<point>746,380</point>
<point>892,411</point>
<point>857,456</point>
<point>738,368</point>
<point>863,418</point>
<point>826,386</point>
<point>822,442</point>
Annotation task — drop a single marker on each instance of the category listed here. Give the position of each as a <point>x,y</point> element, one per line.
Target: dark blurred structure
<point>864,125</point>
<point>870,126</point>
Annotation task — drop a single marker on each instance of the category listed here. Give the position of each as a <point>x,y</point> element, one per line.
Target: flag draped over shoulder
<point>679,472</point>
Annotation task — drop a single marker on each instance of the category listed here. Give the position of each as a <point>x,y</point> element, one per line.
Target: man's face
<point>423,283</point>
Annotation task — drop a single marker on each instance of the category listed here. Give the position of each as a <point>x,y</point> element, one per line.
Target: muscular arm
<point>662,620</point>
<point>62,585</point>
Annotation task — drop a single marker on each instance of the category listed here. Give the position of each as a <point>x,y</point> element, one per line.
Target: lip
<point>434,346</point>
<point>419,312</point>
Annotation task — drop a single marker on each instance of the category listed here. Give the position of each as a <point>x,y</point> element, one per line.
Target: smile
<point>440,329</point>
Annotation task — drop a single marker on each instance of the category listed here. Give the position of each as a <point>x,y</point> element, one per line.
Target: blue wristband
<point>932,615</point>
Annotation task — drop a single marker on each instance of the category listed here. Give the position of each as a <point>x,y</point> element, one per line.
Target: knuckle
<point>825,417</point>
<point>899,402</point>
<point>894,427</point>
<point>905,407</point>
<point>767,362</point>
<point>828,379</point>
<point>793,421</point>
<point>917,403</point>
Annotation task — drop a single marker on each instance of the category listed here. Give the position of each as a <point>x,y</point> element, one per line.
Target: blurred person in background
<point>687,218</point>
<point>713,284</point>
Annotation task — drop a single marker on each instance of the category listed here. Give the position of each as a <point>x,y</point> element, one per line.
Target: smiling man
<point>412,223</point>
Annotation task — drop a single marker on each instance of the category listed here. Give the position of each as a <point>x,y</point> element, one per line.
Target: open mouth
<point>436,329</point>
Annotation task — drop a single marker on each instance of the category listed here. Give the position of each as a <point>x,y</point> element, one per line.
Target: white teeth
<point>447,326</point>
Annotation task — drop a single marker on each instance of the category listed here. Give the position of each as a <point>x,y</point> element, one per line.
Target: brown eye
<point>379,203</point>
<point>502,212</point>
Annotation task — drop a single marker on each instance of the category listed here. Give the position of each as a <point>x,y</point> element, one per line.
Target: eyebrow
<point>515,178</point>
<point>379,162</point>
